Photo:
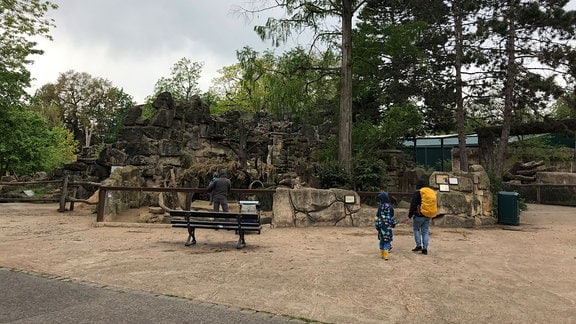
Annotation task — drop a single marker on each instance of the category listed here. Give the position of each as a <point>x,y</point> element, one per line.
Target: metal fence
<point>547,194</point>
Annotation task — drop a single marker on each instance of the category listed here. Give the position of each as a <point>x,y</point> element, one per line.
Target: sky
<point>134,43</point>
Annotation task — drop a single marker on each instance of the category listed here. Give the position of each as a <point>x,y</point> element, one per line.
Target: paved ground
<point>34,298</point>
<point>500,274</point>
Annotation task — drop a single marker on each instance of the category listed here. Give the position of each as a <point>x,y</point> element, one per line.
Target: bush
<point>333,175</point>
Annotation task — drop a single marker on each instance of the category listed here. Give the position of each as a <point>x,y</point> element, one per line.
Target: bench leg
<point>241,242</point>
<point>191,237</point>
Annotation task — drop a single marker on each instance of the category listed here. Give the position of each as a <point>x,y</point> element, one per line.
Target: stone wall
<point>316,207</point>
<point>180,135</point>
<point>256,147</point>
<point>160,150</point>
<point>119,201</point>
<point>468,201</point>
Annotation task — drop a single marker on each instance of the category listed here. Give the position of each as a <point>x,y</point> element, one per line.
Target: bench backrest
<point>211,214</point>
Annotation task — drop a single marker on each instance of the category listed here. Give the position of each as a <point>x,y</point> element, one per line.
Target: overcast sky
<point>133,43</point>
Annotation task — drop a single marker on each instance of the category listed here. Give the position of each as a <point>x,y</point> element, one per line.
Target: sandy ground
<point>499,274</point>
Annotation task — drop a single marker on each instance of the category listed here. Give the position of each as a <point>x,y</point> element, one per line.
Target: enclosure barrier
<point>102,195</point>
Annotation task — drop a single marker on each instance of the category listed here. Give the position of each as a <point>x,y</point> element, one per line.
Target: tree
<point>402,56</point>
<point>295,83</point>
<point>183,80</point>
<point>19,21</point>
<point>28,145</point>
<point>89,107</point>
<point>565,108</point>
<point>303,14</point>
<point>492,54</point>
<point>536,42</point>
<point>241,86</point>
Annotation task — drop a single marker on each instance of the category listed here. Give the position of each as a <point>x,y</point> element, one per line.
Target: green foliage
<point>241,86</point>
<point>333,175</point>
<point>20,20</point>
<point>295,83</point>
<point>539,148</point>
<point>565,108</point>
<point>62,150</point>
<point>369,174</point>
<point>328,152</point>
<point>398,123</point>
<point>147,110</point>
<point>400,57</point>
<point>447,165</point>
<point>28,145</point>
<point>183,80</point>
<point>368,138</point>
<point>124,102</point>
<point>401,121</point>
<point>89,107</point>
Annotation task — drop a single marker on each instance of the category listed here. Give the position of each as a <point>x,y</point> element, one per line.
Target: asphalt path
<point>35,298</point>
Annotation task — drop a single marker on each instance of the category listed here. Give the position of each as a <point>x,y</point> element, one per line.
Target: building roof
<point>450,140</point>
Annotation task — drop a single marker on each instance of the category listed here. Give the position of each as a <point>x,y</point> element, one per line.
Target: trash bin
<point>249,206</point>
<point>508,211</point>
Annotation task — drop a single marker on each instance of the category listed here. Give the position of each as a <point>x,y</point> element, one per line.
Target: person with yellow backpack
<point>423,207</point>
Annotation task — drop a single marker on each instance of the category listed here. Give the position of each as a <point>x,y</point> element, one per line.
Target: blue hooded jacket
<point>384,217</point>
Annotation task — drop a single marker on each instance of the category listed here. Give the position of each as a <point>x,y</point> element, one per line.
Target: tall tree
<point>295,83</point>
<point>403,55</point>
<point>306,14</point>
<point>87,106</point>
<point>534,41</point>
<point>492,54</point>
<point>183,80</point>
<point>20,20</point>
<point>242,86</point>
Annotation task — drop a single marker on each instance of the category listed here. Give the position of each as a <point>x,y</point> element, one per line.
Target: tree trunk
<point>88,130</point>
<point>508,89</point>
<point>345,126</point>
<point>460,113</point>
<point>242,154</point>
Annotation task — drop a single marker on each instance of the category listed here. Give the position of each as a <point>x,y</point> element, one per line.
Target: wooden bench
<point>239,222</point>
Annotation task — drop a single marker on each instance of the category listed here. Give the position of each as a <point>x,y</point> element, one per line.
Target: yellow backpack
<point>428,207</point>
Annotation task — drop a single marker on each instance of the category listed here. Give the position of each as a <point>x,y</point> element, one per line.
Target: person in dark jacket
<point>220,189</point>
<point>214,178</point>
<point>420,223</point>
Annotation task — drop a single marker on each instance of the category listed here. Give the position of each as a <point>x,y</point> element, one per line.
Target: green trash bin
<point>508,211</point>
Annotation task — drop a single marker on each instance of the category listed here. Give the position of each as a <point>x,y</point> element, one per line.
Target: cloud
<point>133,43</point>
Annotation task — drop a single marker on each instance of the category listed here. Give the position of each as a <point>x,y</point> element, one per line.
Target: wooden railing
<point>68,190</point>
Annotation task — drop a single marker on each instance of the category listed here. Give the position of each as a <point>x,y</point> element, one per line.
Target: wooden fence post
<point>101,204</point>
<point>63,195</point>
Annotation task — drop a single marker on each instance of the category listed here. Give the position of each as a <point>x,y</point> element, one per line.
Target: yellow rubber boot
<point>385,254</point>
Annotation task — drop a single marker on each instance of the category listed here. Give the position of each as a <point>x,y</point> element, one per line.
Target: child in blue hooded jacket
<point>384,223</point>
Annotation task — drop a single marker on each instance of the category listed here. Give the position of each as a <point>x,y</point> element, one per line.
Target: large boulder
<point>318,207</point>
